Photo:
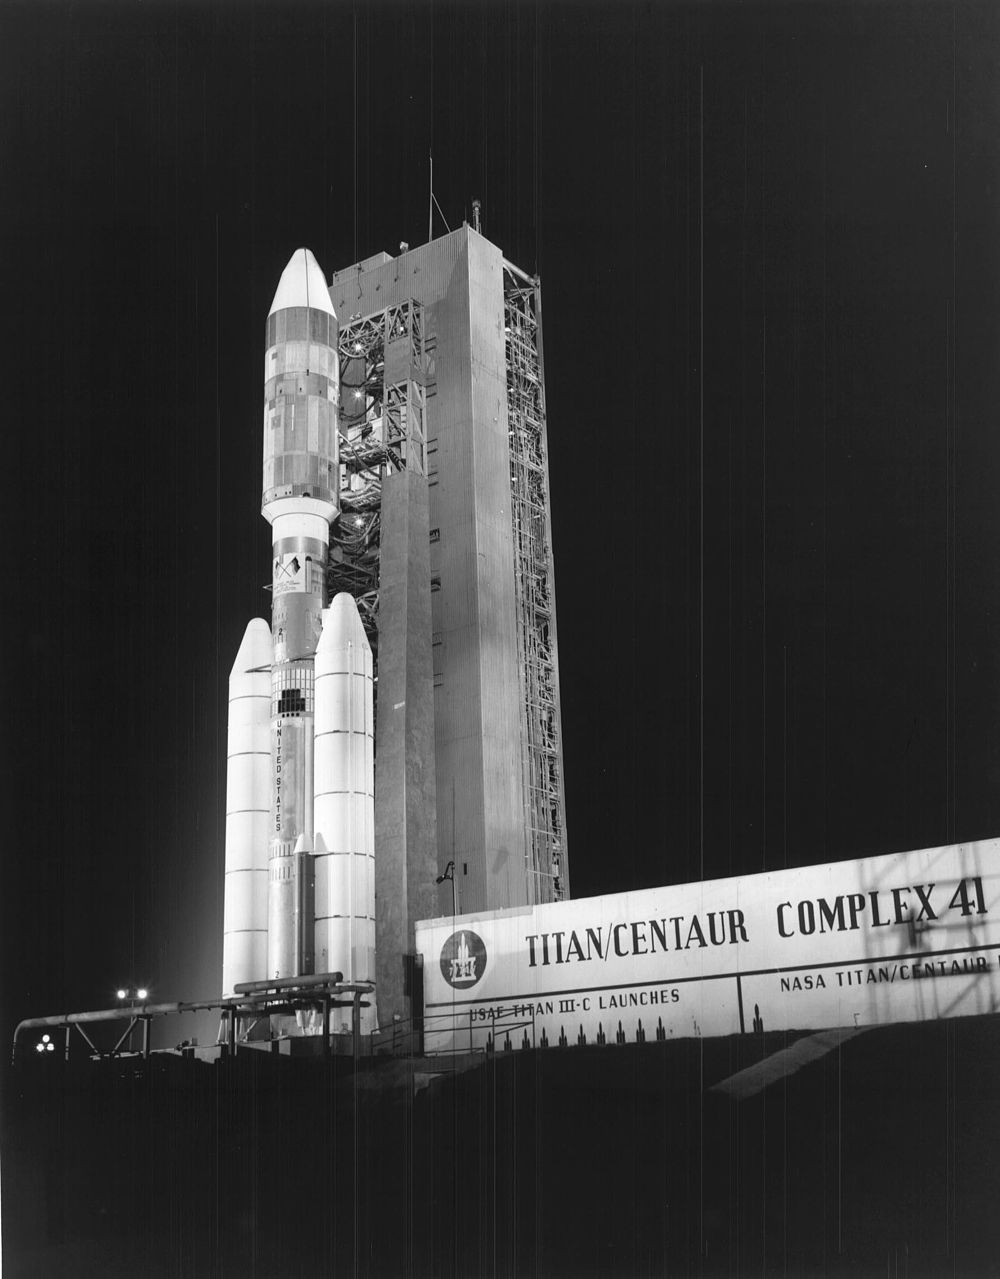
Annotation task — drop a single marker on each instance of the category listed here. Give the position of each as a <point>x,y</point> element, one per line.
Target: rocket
<point>299,895</point>
<point>344,796</point>
<point>248,809</point>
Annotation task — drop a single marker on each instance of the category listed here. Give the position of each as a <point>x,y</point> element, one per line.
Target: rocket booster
<point>248,808</point>
<point>344,795</point>
<point>300,806</point>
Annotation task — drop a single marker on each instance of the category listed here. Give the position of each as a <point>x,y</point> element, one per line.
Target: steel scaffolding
<point>383,368</point>
<point>544,802</point>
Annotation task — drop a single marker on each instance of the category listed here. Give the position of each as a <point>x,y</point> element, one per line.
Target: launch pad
<point>413,594</point>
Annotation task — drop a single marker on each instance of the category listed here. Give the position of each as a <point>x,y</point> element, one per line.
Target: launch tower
<point>445,530</point>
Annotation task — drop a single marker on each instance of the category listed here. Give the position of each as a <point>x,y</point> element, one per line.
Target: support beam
<point>405,796</point>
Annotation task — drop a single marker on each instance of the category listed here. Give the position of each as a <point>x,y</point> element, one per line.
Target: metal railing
<point>454,1033</point>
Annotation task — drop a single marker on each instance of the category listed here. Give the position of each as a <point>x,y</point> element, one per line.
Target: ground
<point>879,1157</point>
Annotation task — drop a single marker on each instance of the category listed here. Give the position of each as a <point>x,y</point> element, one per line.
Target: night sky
<point>768,242</point>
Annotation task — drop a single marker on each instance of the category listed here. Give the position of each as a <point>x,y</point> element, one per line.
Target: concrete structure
<point>444,530</point>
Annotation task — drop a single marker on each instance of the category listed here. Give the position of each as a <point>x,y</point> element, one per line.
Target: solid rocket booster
<point>301,483</point>
<point>248,809</point>
<point>344,805</point>
<point>300,793</point>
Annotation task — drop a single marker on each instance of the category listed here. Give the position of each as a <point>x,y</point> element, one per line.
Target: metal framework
<point>534,589</point>
<point>254,1003</point>
<point>382,430</point>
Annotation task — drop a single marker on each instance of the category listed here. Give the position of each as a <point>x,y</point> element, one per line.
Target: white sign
<point>906,937</point>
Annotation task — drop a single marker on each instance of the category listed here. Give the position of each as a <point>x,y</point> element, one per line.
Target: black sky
<point>767,235</point>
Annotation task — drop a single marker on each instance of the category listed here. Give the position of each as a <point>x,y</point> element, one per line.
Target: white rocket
<point>248,808</point>
<point>300,787</point>
<point>344,796</point>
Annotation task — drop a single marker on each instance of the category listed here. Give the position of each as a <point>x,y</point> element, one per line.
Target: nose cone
<point>342,626</point>
<point>302,284</point>
<point>256,651</point>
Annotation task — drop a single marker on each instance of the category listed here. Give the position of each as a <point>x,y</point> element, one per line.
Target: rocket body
<point>248,808</point>
<point>344,806</point>
<point>301,482</point>
<point>277,773</point>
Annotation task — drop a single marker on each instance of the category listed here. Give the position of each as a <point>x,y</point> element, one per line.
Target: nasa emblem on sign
<point>463,959</point>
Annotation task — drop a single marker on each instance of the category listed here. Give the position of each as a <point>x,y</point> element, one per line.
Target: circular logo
<point>463,959</point>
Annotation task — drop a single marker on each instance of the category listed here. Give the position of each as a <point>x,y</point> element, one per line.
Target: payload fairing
<point>299,892</point>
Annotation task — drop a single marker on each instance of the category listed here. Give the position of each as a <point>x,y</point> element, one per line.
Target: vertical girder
<point>542,769</point>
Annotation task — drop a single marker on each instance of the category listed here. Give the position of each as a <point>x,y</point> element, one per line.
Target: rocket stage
<point>848,1154</point>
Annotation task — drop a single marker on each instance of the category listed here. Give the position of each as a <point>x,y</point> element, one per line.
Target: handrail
<point>415,1030</point>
